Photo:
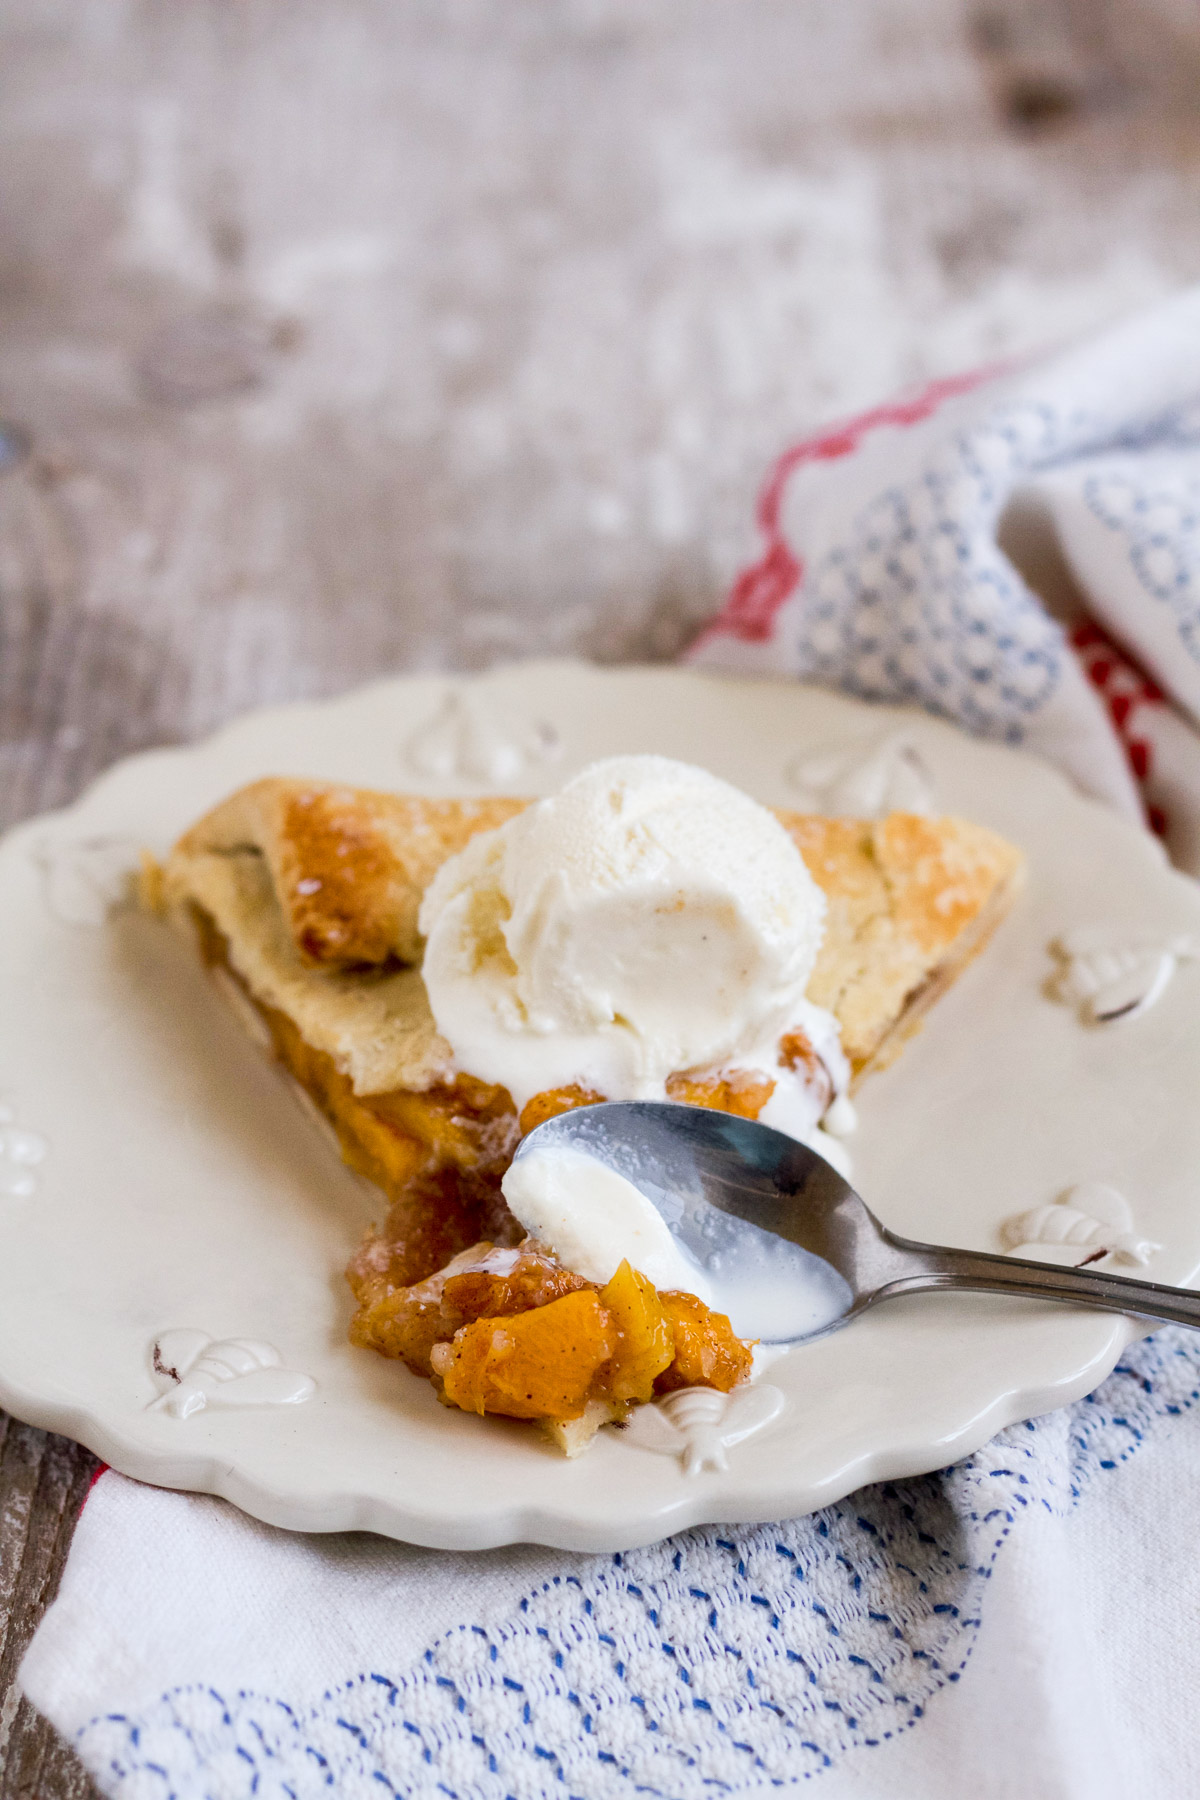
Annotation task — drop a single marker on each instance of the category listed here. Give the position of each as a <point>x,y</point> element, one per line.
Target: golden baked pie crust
<point>316,889</point>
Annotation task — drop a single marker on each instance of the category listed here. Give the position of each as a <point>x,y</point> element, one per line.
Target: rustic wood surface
<point>343,337</point>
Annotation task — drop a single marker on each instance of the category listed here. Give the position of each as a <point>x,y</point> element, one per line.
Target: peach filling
<point>619,1344</point>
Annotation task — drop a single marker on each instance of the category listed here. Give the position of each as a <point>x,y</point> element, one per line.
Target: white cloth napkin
<point>1018,1625</point>
<point>1019,1628</point>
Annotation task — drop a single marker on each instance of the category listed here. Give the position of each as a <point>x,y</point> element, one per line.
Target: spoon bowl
<point>794,1246</point>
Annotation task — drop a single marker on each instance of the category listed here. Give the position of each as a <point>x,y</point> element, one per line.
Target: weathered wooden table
<point>337,338</point>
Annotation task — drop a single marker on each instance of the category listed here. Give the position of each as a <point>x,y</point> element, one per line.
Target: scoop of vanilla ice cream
<point>647,919</point>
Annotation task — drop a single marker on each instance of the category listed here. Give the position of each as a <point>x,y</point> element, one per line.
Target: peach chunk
<point>534,1365</point>
<point>534,1280</point>
<point>645,1345</point>
<point>737,1091</point>
<point>796,1053</point>
<point>706,1352</point>
<point>552,1101</point>
<point>407,1322</point>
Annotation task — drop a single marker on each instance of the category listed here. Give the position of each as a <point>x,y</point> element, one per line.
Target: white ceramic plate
<point>181,1189</point>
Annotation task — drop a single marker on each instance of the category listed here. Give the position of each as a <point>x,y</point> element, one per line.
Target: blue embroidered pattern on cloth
<point>726,1661</point>
<point>1157,513</point>
<point>920,606</point>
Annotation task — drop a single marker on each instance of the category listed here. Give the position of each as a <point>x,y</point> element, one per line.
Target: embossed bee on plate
<point>86,878</point>
<point>1088,1222</point>
<point>192,1370</point>
<point>866,782</point>
<point>468,739</point>
<point>699,1424</point>
<point>20,1153</point>
<point>1109,974</point>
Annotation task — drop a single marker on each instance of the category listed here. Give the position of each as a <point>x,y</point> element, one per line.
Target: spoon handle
<point>927,1266</point>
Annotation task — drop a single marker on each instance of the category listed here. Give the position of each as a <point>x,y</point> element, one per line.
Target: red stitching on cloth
<point>761,589</point>
<point>102,1469</point>
<point>1123,687</point>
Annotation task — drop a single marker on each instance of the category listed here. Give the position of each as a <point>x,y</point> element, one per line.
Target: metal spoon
<point>730,1189</point>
